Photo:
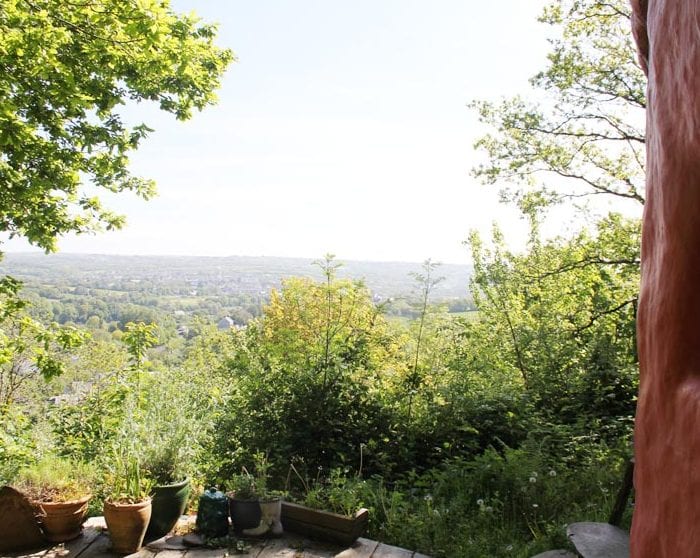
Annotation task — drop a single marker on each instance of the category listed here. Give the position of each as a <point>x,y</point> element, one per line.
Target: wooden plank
<point>253,551</point>
<point>279,549</point>
<point>75,547</point>
<point>100,547</point>
<point>388,551</point>
<point>362,548</point>
<point>291,547</point>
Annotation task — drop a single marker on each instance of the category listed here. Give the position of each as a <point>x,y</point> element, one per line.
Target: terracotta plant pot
<point>62,521</point>
<point>168,505</point>
<point>127,524</point>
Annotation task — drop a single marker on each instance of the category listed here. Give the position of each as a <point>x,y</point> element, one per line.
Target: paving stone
<point>192,540</point>
<point>553,554</point>
<point>168,542</point>
<point>599,540</point>
<point>388,551</point>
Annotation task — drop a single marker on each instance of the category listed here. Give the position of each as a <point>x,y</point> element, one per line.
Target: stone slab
<point>388,551</point>
<point>552,554</point>
<point>599,540</point>
<point>168,542</point>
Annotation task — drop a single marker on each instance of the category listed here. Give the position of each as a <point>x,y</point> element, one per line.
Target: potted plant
<point>127,507</point>
<point>59,491</point>
<point>255,510</point>
<point>343,525</point>
<point>244,505</point>
<point>165,462</point>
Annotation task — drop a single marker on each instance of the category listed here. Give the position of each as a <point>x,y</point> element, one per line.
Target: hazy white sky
<point>342,128</point>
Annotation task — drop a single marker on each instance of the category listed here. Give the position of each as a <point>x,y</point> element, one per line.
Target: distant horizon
<point>338,258</point>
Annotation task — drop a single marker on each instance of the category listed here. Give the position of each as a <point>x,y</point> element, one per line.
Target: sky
<point>343,127</point>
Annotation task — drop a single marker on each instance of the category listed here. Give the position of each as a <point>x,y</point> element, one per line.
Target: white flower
<point>533,479</point>
<point>535,506</point>
<point>479,502</point>
<point>488,509</point>
<point>509,548</point>
<point>428,497</point>
<point>552,473</point>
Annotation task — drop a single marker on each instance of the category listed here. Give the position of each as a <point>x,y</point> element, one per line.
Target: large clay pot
<point>168,504</point>
<point>62,521</point>
<point>127,524</point>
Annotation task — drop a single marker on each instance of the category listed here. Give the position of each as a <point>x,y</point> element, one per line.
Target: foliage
<point>563,316</point>
<point>17,442</point>
<point>55,479</point>
<point>27,347</point>
<point>582,132</point>
<point>125,482</point>
<point>66,68</point>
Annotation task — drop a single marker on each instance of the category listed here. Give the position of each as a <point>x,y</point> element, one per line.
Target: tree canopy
<point>582,132</point>
<point>65,70</point>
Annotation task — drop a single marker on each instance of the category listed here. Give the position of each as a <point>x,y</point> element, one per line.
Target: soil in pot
<point>127,524</point>
<point>168,504</point>
<point>62,521</point>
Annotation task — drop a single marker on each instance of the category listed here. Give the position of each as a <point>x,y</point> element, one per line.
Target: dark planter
<point>323,525</point>
<point>245,514</point>
<point>168,504</point>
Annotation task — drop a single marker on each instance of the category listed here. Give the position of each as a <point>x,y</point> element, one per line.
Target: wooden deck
<point>95,542</point>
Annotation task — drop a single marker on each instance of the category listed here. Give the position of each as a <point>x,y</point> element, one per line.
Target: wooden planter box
<point>323,525</point>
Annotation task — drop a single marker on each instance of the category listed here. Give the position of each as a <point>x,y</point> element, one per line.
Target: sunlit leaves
<point>65,70</point>
<point>582,133</point>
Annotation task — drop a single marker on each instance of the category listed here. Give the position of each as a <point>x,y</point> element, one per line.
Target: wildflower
<point>552,473</point>
<point>533,479</point>
<point>488,509</point>
<point>479,502</point>
<point>428,498</point>
<point>534,474</point>
<point>509,548</point>
<point>535,506</point>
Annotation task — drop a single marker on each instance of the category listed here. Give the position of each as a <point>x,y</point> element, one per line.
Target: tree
<point>582,134</point>
<point>27,348</point>
<point>559,322</point>
<point>426,282</point>
<point>65,68</point>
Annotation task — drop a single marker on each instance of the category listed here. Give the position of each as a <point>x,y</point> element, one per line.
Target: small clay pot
<point>62,521</point>
<point>127,524</point>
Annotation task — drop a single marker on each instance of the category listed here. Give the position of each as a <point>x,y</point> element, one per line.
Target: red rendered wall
<point>667,442</point>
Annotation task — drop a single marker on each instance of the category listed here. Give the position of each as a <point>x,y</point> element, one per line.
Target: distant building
<point>225,323</point>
